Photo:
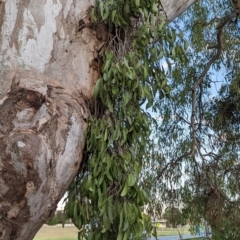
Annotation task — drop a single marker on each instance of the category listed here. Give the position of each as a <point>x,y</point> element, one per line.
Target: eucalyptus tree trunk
<point>48,69</point>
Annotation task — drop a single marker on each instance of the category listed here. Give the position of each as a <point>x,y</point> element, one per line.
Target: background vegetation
<point>187,74</point>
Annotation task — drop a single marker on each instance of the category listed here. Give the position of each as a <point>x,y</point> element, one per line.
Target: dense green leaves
<point>106,195</point>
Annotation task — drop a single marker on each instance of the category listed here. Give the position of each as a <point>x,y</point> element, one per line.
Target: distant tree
<point>174,217</point>
<point>198,137</point>
<point>73,77</point>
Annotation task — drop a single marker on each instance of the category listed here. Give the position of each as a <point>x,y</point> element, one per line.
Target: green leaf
<point>106,65</point>
<point>120,221</point>
<point>113,14</point>
<point>126,234</point>
<point>109,105</point>
<point>114,90</point>
<point>103,208</point>
<point>101,8</point>
<point>124,138</point>
<point>129,120</point>
<point>109,176</point>
<point>145,72</point>
<point>126,225</point>
<point>97,87</point>
<point>154,8</point>
<point>106,220</point>
<point>137,66</point>
<point>131,180</point>
<point>126,98</point>
<point>174,53</point>
<point>161,26</point>
<point>120,235</point>
<point>125,62</point>
<point>106,14</point>
<point>105,134</point>
<point>110,212</point>
<point>145,196</point>
<point>125,189</point>
<point>137,3</point>
<point>101,178</point>
<point>93,16</point>
<point>75,211</point>
<point>89,182</point>
<point>164,83</point>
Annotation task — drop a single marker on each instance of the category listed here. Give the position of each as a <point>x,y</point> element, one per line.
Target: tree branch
<point>218,46</point>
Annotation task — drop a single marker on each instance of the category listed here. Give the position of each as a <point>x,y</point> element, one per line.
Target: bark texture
<point>173,8</point>
<point>48,69</point>
<point>46,77</point>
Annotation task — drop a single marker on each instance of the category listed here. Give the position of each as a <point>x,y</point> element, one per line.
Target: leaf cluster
<point>106,196</point>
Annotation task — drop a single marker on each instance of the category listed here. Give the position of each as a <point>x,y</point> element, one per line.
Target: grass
<point>196,239</point>
<point>57,232</point>
<point>172,231</point>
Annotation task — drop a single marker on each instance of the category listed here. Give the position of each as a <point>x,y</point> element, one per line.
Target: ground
<point>57,232</point>
<point>69,232</point>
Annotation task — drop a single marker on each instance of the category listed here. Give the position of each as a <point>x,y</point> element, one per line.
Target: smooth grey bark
<point>47,75</point>
<point>173,8</point>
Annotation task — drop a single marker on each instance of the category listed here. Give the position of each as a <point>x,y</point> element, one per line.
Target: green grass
<point>196,239</point>
<point>57,232</point>
<point>172,231</point>
<point>54,238</point>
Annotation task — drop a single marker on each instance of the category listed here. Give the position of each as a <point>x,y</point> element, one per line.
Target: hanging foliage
<point>105,200</point>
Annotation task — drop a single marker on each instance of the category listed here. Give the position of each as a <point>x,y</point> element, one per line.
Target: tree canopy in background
<point>195,157</point>
<point>174,217</point>
<point>76,79</point>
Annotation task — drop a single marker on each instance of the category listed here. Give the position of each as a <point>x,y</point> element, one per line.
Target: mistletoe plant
<point>105,200</point>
